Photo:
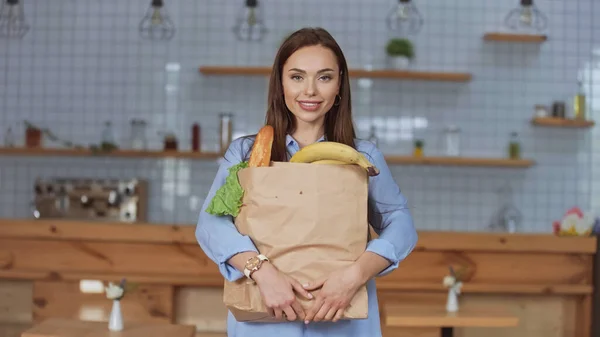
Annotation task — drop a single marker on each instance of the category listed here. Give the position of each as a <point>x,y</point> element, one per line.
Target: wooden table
<point>61,327</point>
<point>403,316</point>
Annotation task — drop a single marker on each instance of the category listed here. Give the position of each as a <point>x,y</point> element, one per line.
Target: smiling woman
<point>309,90</point>
<point>309,101</point>
<point>311,84</point>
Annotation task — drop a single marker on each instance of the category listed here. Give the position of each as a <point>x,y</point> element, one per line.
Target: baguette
<point>261,150</point>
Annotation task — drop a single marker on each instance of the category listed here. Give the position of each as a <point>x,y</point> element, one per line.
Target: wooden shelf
<point>49,152</point>
<point>561,122</point>
<point>392,160</point>
<point>381,73</point>
<point>510,37</point>
<point>461,161</point>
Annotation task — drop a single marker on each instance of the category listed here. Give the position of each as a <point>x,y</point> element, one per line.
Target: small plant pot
<point>399,62</point>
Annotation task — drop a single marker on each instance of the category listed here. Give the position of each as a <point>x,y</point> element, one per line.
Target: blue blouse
<point>388,214</point>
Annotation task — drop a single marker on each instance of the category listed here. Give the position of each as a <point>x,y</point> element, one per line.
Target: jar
<point>170,142</point>
<point>514,147</point>
<point>541,111</point>
<point>452,141</point>
<point>559,109</point>
<point>33,137</point>
<point>138,134</point>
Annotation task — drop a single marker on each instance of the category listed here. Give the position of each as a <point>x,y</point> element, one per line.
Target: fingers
<point>300,290</point>
<point>278,313</point>
<point>315,284</point>
<point>322,312</point>
<point>330,314</point>
<point>290,315</point>
<point>338,315</point>
<point>299,310</point>
<point>310,314</point>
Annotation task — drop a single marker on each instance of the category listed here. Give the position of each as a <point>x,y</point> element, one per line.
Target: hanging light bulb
<point>526,17</point>
<point>12,19</point>
<point>405,17</point>
<point>156,24</point>
<point>249,22</point>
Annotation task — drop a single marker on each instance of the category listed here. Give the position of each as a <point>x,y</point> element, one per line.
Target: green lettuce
<point>228,198</point>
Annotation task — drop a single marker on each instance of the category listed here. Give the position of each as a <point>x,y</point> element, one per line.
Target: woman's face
<point>311,81</point>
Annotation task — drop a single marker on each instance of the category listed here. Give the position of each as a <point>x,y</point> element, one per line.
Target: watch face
<point>253,263</point>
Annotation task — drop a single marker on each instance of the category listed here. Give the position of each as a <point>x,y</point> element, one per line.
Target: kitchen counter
<point>535,276</point>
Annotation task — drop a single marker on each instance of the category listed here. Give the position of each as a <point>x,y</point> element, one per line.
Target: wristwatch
<point>253,264</point>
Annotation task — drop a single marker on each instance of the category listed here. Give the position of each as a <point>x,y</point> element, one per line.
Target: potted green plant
<point>400,52</point>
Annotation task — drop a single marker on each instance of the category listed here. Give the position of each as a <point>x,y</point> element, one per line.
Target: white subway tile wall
<point>83,63</point>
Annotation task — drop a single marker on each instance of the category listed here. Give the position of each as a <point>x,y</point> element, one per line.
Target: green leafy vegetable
<point>228,198</point>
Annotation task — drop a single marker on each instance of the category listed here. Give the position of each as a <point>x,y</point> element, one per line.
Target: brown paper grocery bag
<point>309,219</point>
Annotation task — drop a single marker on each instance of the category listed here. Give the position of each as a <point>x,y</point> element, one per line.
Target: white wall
<point>83,63</point>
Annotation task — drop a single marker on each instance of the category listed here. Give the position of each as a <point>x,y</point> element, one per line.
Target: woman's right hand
<point>277,290</point>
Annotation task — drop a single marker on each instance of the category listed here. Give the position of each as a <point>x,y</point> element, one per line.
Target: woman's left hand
<point>337,290</point>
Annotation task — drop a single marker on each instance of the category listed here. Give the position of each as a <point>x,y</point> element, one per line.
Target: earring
<point>338,100</point>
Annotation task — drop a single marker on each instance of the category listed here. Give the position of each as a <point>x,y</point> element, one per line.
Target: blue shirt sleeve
<point>389,216</point>
<point>217,235</point>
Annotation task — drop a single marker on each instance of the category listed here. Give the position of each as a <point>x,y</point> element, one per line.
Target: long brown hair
<point>338,121</point>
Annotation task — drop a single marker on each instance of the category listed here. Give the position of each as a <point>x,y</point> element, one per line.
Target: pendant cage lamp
<point>12,19</point>
<point>249,25</point>
<point>526,17</point>
<point>156,23</point>
<point>405,17</point>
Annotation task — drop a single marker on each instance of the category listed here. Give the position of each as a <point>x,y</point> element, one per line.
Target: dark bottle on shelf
<point>196,137</point>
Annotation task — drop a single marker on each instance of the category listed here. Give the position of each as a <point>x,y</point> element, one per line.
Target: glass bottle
<point>108,136</point>
<point>138,134</point>
<point>579,105</point>
<point>225,131</point>
<point>9,138</point>
<point>196,137</point>
<point>452,140</point>
<point>514,147</point>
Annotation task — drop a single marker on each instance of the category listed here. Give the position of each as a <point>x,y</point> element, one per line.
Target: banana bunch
<point>333,153</point>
